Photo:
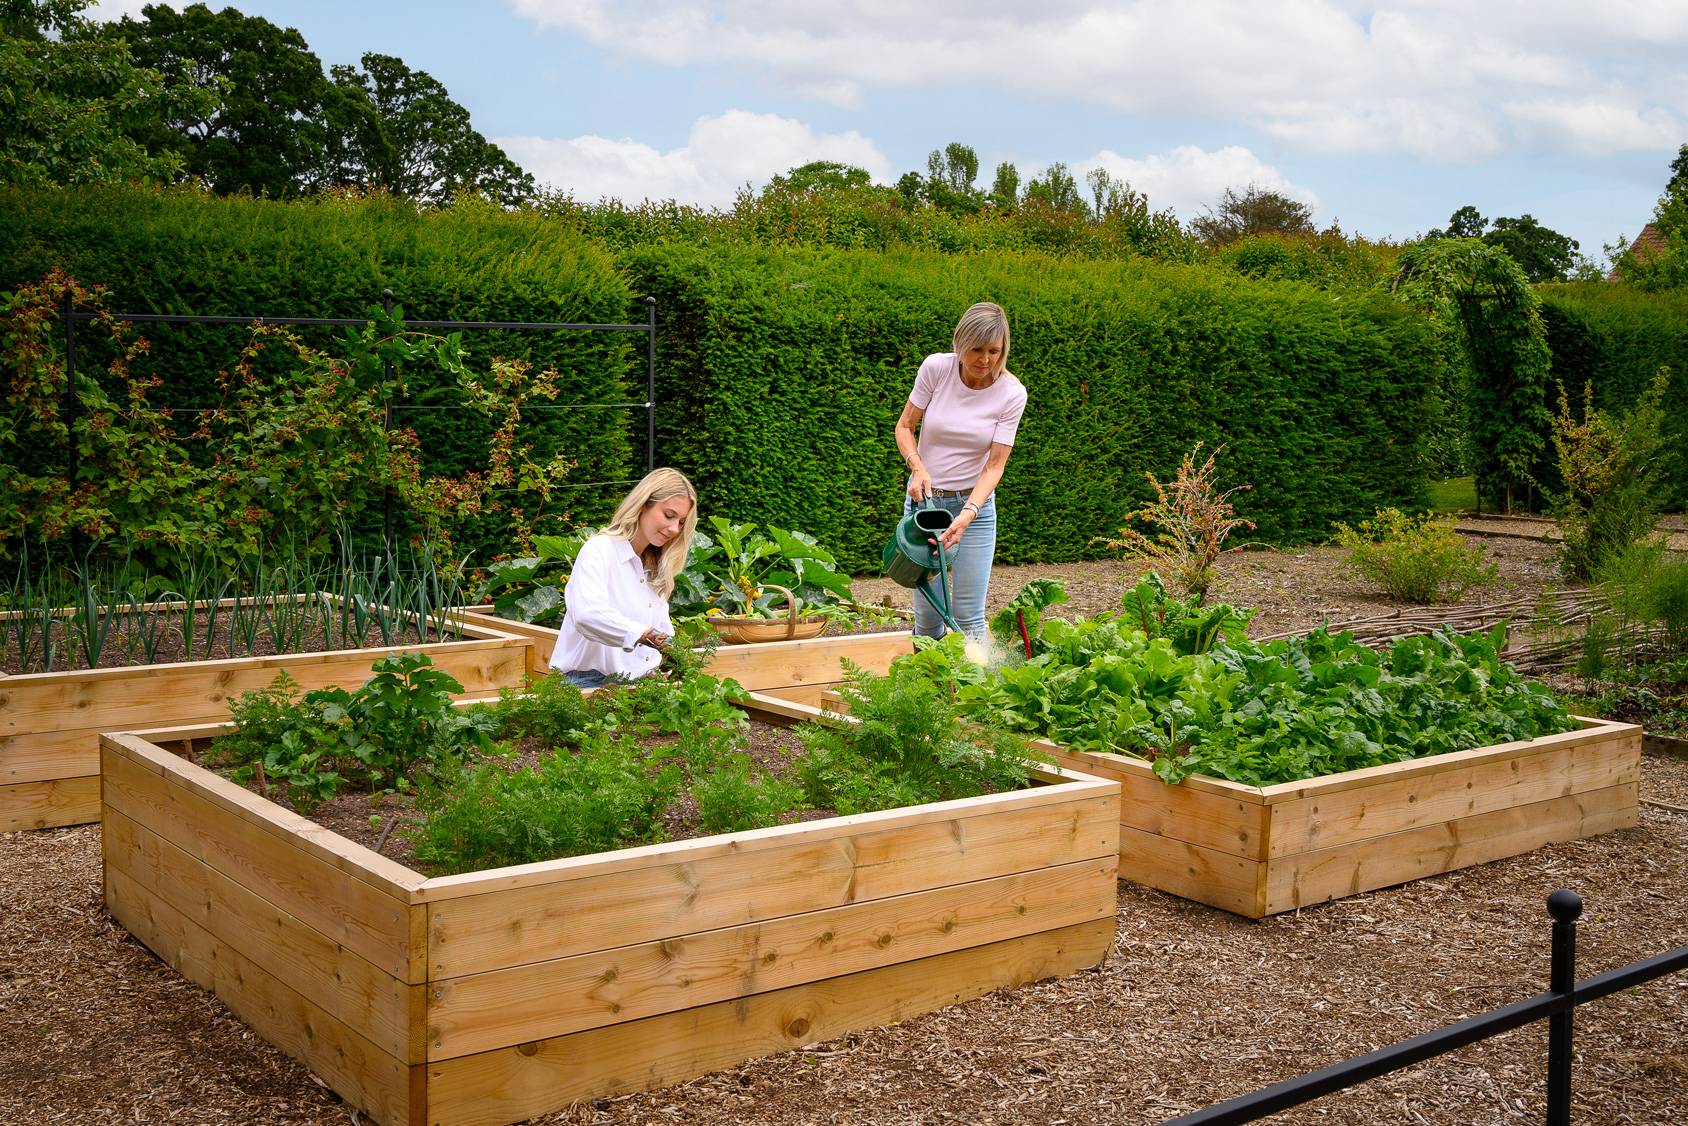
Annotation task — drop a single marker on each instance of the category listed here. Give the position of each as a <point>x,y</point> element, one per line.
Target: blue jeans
<point>587,678</point>
<point>969,571</point>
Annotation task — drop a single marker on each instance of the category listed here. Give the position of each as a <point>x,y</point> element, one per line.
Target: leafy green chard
<point>1181,686</point>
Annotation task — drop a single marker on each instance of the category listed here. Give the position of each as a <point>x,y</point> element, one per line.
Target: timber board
<point>50,723</point>
<point>510,1084</point>
<point>544,999</point>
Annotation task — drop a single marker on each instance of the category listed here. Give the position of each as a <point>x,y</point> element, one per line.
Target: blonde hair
<point>981,326</point>
<point>658,485</point>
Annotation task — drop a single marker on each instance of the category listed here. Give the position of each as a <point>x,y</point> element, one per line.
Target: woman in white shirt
<point>615,621</point>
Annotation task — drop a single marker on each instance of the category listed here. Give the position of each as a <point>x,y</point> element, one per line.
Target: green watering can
<point>912,561</point>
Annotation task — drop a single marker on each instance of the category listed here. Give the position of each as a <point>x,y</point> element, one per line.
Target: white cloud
<point>1443,79</point>
<point>107,11</point>
<point>1189,179</point>
<point>722,154</point>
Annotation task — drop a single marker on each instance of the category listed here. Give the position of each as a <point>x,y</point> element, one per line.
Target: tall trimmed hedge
<point>1618,337</point>
<point>782,372</point>
<point>178,251</point>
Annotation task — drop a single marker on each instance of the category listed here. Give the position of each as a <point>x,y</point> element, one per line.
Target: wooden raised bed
<point>492,997</point>
<point>800,671</point>
<point>50,722</point>
<point>1259,851</point>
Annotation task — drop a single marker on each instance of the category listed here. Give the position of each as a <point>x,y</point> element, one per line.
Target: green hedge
<point>782,372</point>
<point>183,252</point>
<point>1618,337</point>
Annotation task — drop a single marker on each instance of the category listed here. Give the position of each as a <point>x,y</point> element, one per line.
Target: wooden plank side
<point>356,860</point>
<point>47,805</point>
<point>780,664</point>
<point>1219,879</point>
<point>42,756</point>
<point>366,919</point>
<point>1070,788</point>
<point>1092,762</point>
<point>535,1001</point>
<point>507,926</point>
<point>1593,730</point>
<point>366,1077</point>
<point>1409,799</point>
<point>512,1084</point>
<point>196,692</point>
<point>329,975</point>
<point>809,695</point>
<point>544,638</point>
<point>1216,821</point>
<point>1330,873</point>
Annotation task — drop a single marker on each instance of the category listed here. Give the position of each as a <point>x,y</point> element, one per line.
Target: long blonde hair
<point>658,485</point>
<point>981,326</point>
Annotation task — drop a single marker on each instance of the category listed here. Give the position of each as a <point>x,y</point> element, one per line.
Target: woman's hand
<point>919,484</point>
<point>656,640</point>
<point>958,527</point>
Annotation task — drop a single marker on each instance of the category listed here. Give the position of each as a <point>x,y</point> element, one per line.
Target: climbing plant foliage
<point>1485,309</point>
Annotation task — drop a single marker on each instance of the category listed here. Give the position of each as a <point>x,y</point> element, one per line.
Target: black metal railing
<point>1557,1005</point>
<point>72,314</point>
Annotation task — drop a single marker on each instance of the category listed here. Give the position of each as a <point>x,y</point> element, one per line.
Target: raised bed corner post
<point>650,384</point>
<point>387,411</point>
<point>1564,905</point>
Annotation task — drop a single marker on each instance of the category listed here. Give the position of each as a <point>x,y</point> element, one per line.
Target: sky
<point>1383,118</point>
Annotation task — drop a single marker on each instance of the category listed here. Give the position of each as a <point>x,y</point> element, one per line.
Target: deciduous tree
<point>1543,253</point>
<point>72,102</point>
<point>1056,189</point>
<point>418,143</point>
<point>1257,211</point>
<point>263,123</point>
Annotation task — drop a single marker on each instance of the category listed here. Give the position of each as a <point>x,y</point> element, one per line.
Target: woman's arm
<point>590,603</point>
<point>982,490</point>
<point>919,483</point>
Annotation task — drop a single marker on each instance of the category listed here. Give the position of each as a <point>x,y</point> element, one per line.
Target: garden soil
<point>1193,1005</point>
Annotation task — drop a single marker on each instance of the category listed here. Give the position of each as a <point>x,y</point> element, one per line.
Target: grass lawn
<point>1458,494</point>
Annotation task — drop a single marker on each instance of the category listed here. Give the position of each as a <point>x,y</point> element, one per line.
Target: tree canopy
<point>269,115</point>
<point>75,104</point>
<point>230,100</point>
<point>1541,252</point>
<point>418,143</point>
<point>1257,211</point>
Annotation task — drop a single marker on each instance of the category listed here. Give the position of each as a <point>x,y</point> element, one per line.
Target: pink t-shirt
<point>960,423</point>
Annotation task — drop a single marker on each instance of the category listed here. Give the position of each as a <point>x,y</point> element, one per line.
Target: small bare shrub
<point>1415,559</point>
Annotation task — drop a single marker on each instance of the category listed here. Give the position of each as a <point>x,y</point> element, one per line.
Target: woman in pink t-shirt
<point>967,408</point>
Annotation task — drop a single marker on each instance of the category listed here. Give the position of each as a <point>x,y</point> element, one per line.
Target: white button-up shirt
<point>608,605</point>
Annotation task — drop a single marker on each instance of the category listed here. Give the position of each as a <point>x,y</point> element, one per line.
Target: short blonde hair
<point>659,485</point>
<point>980,326</point>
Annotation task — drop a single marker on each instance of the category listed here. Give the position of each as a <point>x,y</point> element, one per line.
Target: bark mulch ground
<point>1193,1005</point>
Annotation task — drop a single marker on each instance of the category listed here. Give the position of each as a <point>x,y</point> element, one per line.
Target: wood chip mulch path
<point>1193,1005</point>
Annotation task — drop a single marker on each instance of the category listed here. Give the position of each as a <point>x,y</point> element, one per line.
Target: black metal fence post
<point>387,411</point>
<point>1564,905</point>
<point>650,384</point>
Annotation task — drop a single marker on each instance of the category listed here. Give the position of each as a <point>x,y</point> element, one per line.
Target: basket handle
<point>790,609</point>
